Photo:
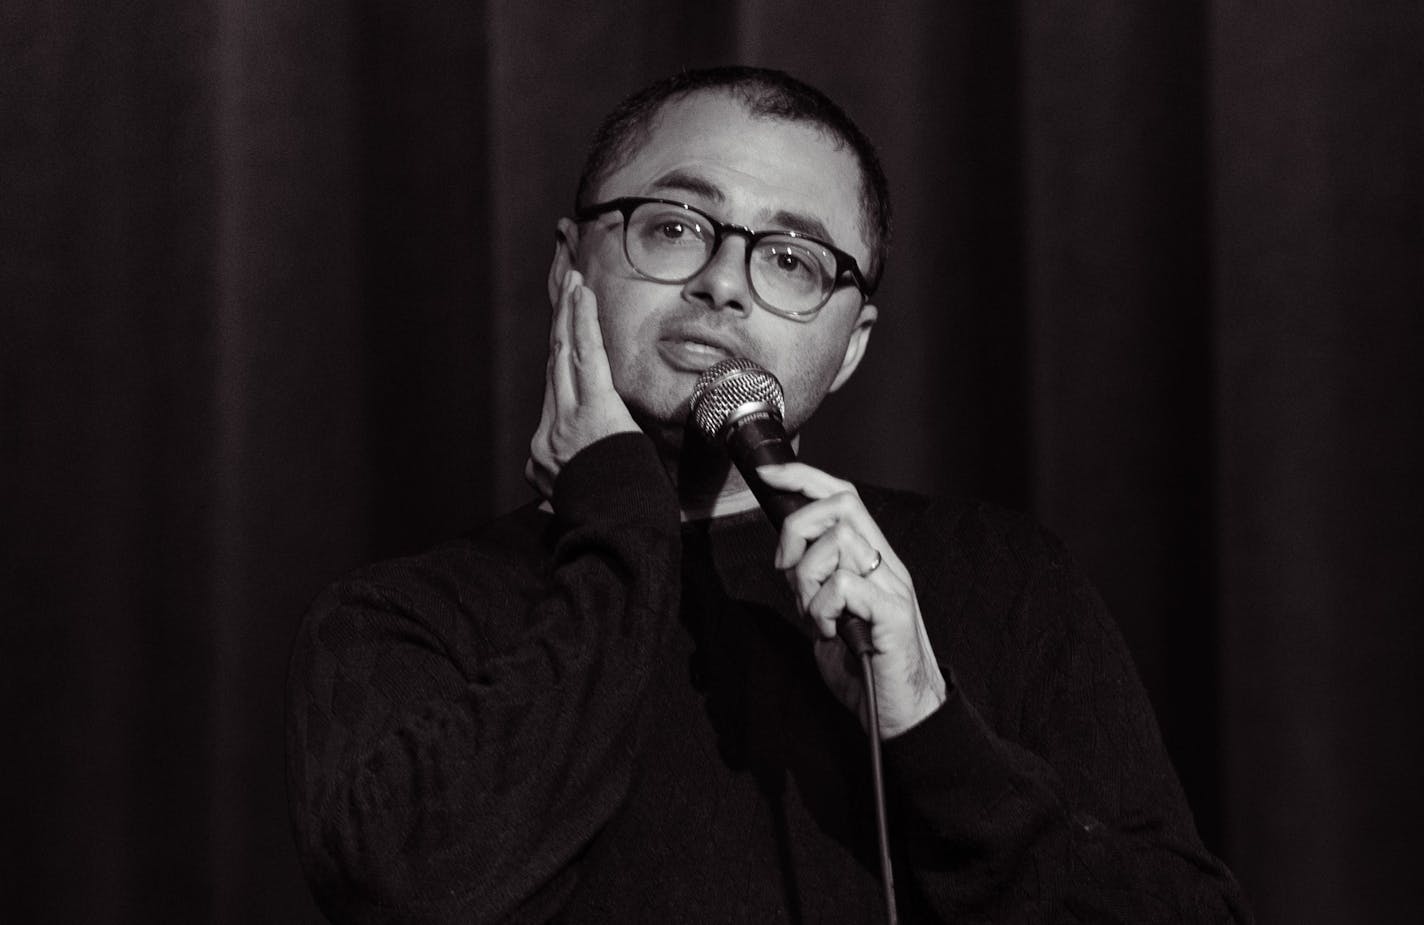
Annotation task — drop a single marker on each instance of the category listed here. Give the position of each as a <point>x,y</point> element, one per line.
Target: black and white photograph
<point>641,462</point>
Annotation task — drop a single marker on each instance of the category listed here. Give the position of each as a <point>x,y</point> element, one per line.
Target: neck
<point>708,485</point>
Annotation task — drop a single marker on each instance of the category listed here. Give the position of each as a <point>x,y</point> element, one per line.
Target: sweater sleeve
<point>460,728</point>
<point>1060,803</point>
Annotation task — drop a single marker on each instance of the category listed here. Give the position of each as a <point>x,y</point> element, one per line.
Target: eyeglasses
<point>791,274</point>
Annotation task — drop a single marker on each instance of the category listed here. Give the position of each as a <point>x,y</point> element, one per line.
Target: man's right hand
<point>581,406</point>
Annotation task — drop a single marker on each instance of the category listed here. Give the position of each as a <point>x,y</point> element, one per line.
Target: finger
<point>800,530</point>
<point>844,594</point>
<point>840,548</point>
<point>559,319</point>
<point>833,653</point>
<point>533,474</point>
<point>806,525</point>
<point>887,605</point>
<point>841,669</point>
<point>561,345</point>
<point>539,442</point>
<point>808,480</point>
<point>834,500</point>
<point>818,486</point>
<point>592,374</point>
<point>558,269</point>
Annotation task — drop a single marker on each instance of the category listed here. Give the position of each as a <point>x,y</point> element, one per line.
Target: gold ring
<point>874,565</point>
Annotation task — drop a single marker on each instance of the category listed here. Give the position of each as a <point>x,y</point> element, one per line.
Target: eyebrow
<point>802,224</point>
<point>680,181</point>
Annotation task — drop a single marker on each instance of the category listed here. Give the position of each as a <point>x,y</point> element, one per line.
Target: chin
<point>665,423</point>
<point>656,395</point>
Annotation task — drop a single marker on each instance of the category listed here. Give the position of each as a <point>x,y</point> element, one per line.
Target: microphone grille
<point>728,386</point>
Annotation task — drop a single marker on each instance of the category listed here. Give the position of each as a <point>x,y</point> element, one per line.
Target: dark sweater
<point>605,716</point>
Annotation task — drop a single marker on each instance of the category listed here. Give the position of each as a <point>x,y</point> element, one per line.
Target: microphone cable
<point>856,635</point>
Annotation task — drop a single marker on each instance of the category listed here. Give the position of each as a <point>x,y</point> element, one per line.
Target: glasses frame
<point>845,263</point>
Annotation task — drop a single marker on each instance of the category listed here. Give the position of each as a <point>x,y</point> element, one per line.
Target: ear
<point>855,347</point>
<point>566,242</point>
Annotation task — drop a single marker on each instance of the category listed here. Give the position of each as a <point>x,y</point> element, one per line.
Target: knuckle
<point>838,582</point>
<point>819,609</point>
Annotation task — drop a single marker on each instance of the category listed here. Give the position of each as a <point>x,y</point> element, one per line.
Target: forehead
<point>706,148</point>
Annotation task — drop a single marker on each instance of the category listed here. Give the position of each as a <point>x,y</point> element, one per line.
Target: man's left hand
<point>839,563</point>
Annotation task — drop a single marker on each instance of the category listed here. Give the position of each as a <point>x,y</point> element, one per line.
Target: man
<point>629,703</point>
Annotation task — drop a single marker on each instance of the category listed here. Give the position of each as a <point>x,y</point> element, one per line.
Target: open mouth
<point>690,354</point>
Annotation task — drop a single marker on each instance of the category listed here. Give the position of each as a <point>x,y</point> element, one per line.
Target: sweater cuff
<point>617,478</point>
<point>951,751</point>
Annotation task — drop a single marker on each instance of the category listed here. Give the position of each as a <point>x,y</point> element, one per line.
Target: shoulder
<point>994,585</point>
<point>990,542</point>
<point>438,590</point>
<point>511,543</point>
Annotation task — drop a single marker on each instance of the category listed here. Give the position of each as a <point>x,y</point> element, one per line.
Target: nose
<point>723,283</point>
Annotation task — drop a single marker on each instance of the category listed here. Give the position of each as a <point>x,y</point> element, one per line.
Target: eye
<point>789,261</point>
<point>663,228</point>
<point>672,230</point>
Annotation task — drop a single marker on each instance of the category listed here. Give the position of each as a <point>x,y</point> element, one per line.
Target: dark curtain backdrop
<point>273,306</point>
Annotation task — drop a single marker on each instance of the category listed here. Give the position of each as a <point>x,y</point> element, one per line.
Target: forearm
<point>450,758</point>
<point>992,829</point>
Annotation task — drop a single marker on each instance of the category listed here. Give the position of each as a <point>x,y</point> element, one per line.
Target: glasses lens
<point>792,274</point>
<point>667,243</point>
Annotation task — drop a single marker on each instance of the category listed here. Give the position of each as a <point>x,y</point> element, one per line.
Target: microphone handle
<point>758,440</point>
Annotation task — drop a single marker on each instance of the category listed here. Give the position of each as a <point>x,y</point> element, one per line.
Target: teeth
<point>697,346</point>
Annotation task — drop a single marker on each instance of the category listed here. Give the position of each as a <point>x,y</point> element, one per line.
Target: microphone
<point>739,406</point>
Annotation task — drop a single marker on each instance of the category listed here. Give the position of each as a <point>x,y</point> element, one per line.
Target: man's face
<point>706,150</point>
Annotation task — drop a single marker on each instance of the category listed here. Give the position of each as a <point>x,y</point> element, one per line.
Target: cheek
<point>808,369</point>
<point>630,332</point>
<point>614,319</point>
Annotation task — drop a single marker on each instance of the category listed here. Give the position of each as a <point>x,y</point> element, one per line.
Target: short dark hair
<point>765,92</point>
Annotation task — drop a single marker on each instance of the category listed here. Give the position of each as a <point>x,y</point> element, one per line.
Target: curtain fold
<point>1118,292</point>
<point>1318,238</point>
<point>272,292</point>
